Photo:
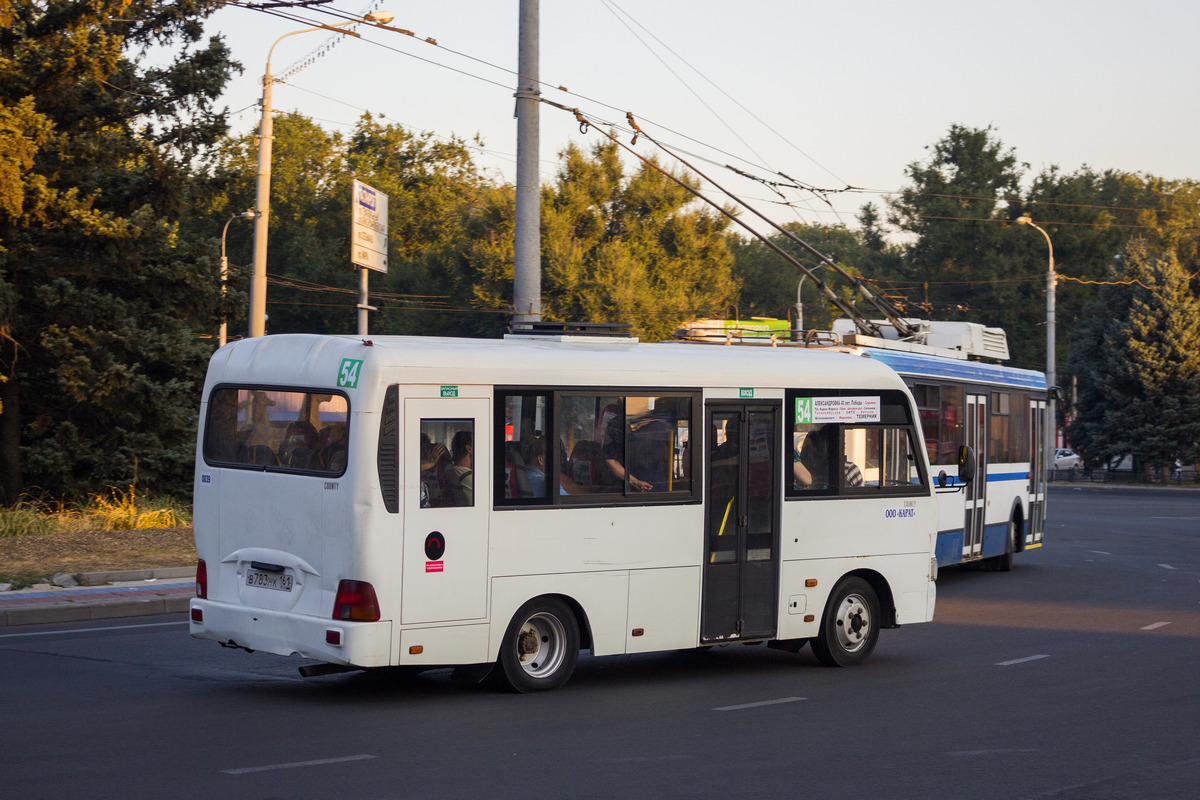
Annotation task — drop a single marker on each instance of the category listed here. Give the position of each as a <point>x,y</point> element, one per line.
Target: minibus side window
<point>447,463</point>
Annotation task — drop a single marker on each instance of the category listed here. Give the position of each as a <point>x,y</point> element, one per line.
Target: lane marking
<point>1020,660</point>
<point>293,765</point>
<point>1189,518</point>
<point>1167,566</point>
<point>89,630</point>
<point>761,703</point>
<point>1100,552</point>
<point>993,752</point>
<point>1155,626</point>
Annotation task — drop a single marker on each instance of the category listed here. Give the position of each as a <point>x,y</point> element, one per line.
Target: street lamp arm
<point>335,27</point>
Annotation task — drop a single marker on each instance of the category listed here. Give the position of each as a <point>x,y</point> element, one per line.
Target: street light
<point>262,195</point>
<point>225,268</point>
<point>1051,437</point>
<point>800,301</point>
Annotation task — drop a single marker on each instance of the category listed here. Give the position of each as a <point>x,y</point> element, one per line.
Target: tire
<point>540,648</point>
<point>1005,562</point>
<point>850,625</point>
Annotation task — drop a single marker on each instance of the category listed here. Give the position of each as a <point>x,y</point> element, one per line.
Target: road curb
<point>71,610</point>
<point>82,596</point>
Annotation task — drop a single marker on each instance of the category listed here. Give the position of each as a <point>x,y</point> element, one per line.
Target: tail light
<point>201,579</point>
<point>356,601</point>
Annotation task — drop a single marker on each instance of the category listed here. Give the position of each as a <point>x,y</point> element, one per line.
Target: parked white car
<point>1066,458</point>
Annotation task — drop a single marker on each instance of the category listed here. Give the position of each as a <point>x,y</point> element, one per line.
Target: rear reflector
<point>356,601</point>
<point>201,579</point>
<point>197,615</point>
<point>333,637</point>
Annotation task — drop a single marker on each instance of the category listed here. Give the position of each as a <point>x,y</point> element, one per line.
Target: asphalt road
<point>1077,675</point>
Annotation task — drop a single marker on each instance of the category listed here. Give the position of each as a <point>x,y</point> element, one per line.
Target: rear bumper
<point>363,644</point>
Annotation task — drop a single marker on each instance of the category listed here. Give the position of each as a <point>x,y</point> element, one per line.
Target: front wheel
<point>540,647</point>
<point>850,625</point>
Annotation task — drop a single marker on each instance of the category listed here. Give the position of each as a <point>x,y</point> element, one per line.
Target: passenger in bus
<point>462,475</point>
<point>534,467</point>
<point>642,459</point>
<point>810,464</point>
<point>221,433</point>
<point>810,461</point>
<point>434,466</point>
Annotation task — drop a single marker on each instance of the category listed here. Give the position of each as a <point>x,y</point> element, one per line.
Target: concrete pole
<point>527,240</point>
<point>262,210</point>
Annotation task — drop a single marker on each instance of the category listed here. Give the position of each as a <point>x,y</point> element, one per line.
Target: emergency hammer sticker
<point>435,547</point>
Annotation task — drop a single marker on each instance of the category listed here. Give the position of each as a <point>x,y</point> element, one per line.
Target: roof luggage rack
<point>573,331</point>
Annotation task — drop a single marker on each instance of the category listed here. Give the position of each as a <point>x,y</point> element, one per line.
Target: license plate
<point>279,581</point>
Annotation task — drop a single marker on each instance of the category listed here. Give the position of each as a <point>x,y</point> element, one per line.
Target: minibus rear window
<point>277,429</point>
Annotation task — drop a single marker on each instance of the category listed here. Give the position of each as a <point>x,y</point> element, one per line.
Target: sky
<point>832,94</point>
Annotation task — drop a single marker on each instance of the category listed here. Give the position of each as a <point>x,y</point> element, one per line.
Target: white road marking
<point>89,630</point>
<point>993,752</point>
<point>1020,660</point>
<point>1167,566</point>
<point>318,763</point>
<point>1155,626</point>
<point>761,703</point>
<point>1100,552</point>
<point>1191,518</point>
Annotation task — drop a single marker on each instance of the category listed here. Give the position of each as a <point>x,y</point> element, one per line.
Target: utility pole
<point>262,208</point>
<point>527,240</point>
<point>262,191</point>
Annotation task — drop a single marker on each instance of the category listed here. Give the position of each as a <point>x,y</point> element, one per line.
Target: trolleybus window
<point>277,429</point>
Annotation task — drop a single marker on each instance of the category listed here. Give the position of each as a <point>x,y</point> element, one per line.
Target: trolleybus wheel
<point>850,625</point>
<point>540,647</point>
<point>1004,562</point>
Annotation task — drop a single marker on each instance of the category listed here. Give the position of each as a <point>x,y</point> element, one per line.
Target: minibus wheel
<point>850,625</point>
<point>540,648</point>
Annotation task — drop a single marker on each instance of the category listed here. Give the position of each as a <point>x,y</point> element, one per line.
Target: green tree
<point>1137,356</point>
<point>99,293</point>
<point>434,188</point>
<point>966,261</point>
<point>769,282</point>
<point>627,248</point>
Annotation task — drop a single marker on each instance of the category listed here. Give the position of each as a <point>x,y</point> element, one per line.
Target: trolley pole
<point>527,240</point>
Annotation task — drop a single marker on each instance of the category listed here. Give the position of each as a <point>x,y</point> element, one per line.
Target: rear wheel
<point>1004,563</point>
<point>850,625</point>
<point>540,647</point>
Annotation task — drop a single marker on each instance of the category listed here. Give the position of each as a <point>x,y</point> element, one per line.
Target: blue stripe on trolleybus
<point>949,547</point>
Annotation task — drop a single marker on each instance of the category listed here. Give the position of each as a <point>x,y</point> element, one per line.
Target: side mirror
<point>966,464</point>
<point>943,479</point>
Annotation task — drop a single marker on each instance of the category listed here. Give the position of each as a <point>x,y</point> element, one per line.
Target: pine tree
<point>100,295</point>
<point>1137,353</point>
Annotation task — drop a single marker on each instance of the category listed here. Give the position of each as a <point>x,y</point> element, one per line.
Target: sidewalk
<point>101,595</point>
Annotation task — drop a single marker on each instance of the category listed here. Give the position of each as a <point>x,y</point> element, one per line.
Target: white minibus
<point>505,504</point>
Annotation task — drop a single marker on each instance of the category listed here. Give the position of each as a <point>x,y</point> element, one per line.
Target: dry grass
<point>107,532</point>
<point>26,559</point>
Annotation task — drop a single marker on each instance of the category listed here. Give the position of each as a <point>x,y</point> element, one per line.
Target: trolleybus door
<point>445,528</point>
<point>1037,472</point>
<point>741,560</point>
<point>976,490</point>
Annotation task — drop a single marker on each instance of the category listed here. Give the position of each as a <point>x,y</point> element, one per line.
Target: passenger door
<point>976,490</point>
<point>445,532</point>
<point>741,560</point>
<point>1037,473</point>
